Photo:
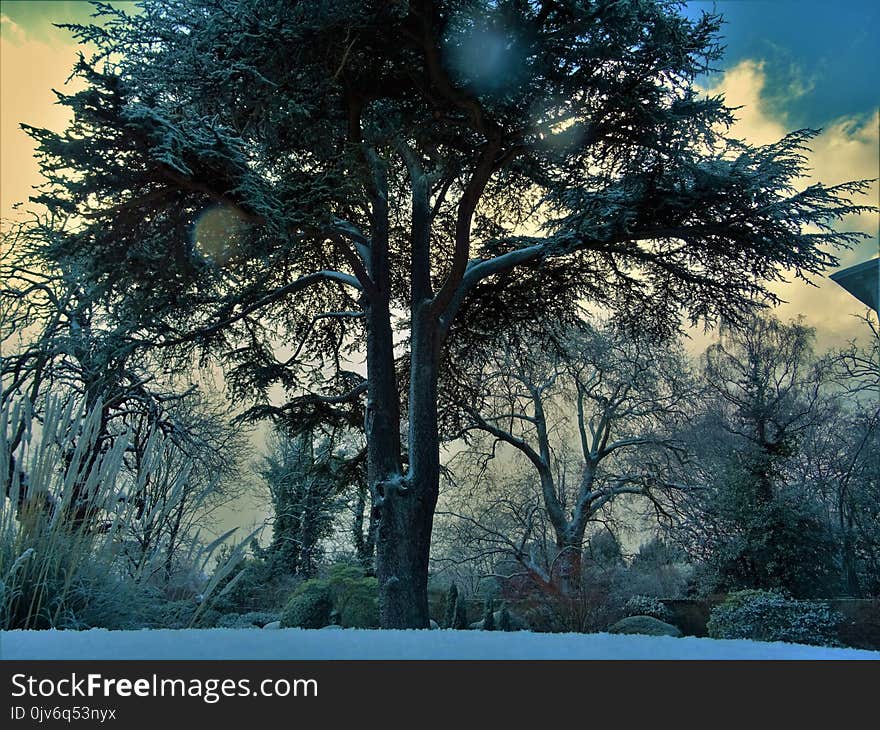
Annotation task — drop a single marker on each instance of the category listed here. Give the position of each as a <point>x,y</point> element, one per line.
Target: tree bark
<point>569,566</point>
<point>395,567</point>
<point>406,504</point>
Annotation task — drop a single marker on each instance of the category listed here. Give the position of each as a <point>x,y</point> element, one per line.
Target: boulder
<point>272,625</point>
<point>434,624</point>
<point>644,625</point>
<point>331,627</point>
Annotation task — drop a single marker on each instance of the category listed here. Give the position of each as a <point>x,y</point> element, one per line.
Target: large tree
<point>290,184</point>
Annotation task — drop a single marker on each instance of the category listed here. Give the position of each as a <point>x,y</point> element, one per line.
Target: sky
<point>792,64</point>
<point>789,64</point>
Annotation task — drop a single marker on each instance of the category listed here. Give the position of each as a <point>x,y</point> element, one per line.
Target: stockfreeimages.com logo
<point>209,690</point>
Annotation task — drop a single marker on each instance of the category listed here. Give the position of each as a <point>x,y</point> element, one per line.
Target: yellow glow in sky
<point>30,67</point>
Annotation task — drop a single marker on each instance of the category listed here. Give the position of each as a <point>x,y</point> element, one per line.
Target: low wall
<point>861,626</point>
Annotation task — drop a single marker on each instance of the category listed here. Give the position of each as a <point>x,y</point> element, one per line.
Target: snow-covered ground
<point>360,644</point>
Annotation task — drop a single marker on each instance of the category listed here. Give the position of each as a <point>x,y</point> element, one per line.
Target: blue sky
<point>822,58</point>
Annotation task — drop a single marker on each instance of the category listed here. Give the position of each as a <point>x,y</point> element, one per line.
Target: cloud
<point>847,149</point>
<point>11,31</point>
<point>742,88</point>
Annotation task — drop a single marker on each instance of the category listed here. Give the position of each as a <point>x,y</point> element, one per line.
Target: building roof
<point>862,281</point>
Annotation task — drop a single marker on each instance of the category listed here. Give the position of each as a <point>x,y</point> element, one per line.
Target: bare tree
<point>181,449</point>
<point>617,396</point>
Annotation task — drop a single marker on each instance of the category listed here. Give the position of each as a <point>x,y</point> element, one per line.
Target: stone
<point>272,625</point>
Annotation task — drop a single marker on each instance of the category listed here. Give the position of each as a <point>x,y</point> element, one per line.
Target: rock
<point>434,625</point>
<point>272,625</point>
<point>331,627</point>
<point>647,625</point>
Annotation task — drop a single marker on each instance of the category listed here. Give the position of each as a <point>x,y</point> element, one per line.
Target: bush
<point>346,591</point>
<point>647,606</point>
<point>647,625</point>
<point>504,622</point>
<point>59,581</point>
<point>361,608</point>
<point>252,619</point>
<point>309,607</point>
<point>489,616</point>
<point>254,586</point>
<point>460,619</point>
<point>771,616</point>
<point>174,615</point>
<point>355,596</point>
<point>449,611</point>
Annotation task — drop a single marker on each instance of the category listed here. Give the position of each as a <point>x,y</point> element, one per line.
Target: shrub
<point>309,607</point>
<point>504,622</point>
<point>647,625</point>
<point>361,608</point>
<point>175,615</point>
<point>460,615</point>
<point>346,591</point>
<point>451,601</point>
<point>771,616</point>
<point>252,619</point>
<point>489,616</point>
<point>647,606</point>
<point>255,585</point>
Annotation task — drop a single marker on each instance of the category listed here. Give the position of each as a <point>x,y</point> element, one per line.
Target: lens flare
<point>218,233</point>
<point>486,55</point>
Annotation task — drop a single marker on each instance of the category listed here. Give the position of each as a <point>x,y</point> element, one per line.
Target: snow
<point>362,644</point>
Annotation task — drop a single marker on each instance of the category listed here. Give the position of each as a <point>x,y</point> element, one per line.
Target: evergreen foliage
<point>305,485</point>
<point>309,607</point>
<point>451,603</point>
<point>771,616</point>
<point>504,622</point>
<point>460,619</point>
<point>345,592</point>
<point>489,615</point>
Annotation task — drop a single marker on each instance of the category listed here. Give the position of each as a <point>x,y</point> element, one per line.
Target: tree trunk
<point>407,507</point>
<point>848,555</point>
<point>398,543</point>
<point>364,539</point>
<point>402,548</point>
<point>569,567</point>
